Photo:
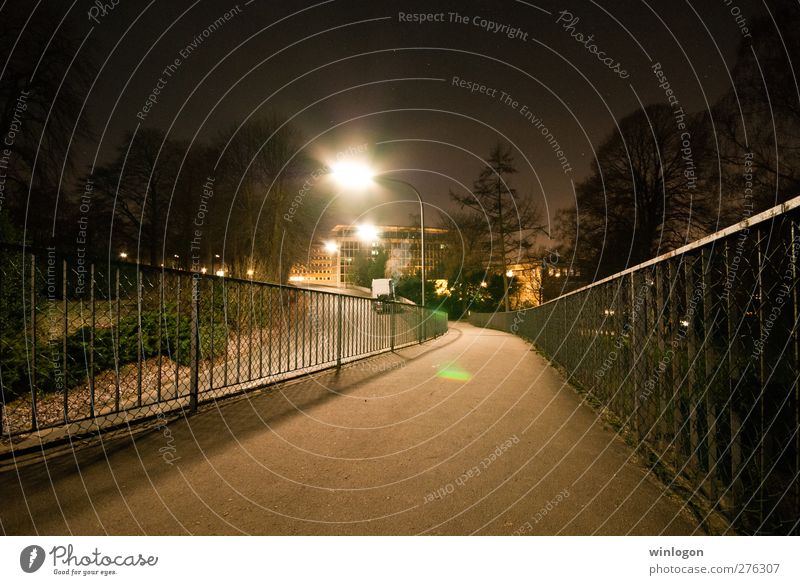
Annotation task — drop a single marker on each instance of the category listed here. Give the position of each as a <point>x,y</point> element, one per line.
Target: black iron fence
<point>697,353</point>
<point>85,345</point>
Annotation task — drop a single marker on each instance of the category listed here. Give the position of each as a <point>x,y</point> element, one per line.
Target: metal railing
<point>85,345</point>
<point>697,354</point>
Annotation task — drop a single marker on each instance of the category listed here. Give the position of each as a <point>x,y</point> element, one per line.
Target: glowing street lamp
<point>331,247</point>
<point>366,232</point>
<point>353,175</point>
<point>509,273</point>
<point>123,255</point>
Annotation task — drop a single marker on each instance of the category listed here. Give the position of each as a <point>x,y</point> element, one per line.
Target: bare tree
<point>646,193</point>
<point>136,188</point>
<point>42,89</point>
<point>510,220</point>
<point>270,195</point>
<point>759,117</point>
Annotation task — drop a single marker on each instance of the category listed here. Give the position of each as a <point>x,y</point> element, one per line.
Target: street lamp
<point>366,232</point>
<point>357,176</point>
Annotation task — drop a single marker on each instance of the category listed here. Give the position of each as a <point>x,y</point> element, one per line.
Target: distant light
<point>204,270</point>
<point>251,272</point>
<point>509,273</point>
<point>608,312</point>
<point>216,255</point>
<point>123,255</point>
<point>367,232</point>
<point>684,323</point>
<point>176,256</point>
<point>484,284</point>
<point>220,272</point>
<point>331,247</point>
<point>352,175</point>
<point>296,278</point>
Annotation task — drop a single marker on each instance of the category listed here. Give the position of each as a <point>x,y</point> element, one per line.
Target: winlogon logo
<point>31,558</point>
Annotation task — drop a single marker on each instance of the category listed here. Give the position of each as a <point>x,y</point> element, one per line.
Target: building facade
<point>331,262</point>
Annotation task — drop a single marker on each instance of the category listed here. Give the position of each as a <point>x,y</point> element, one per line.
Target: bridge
<point>661,400</point>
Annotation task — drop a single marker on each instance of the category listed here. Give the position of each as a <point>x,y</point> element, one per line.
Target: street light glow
<point>509,273</point>
<point>352,175</point>
<point>367,232</point>
<point>331,247</point>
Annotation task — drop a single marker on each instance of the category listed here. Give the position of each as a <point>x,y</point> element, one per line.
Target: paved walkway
<point>471,433</point>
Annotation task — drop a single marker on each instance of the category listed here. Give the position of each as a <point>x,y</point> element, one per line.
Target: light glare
<point>352,175</point>
<point>367,232</point>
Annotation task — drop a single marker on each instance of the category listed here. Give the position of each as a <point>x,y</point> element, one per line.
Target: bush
<point>175,344</point>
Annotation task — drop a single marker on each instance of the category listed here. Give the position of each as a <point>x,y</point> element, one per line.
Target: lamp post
<point>361,176</point>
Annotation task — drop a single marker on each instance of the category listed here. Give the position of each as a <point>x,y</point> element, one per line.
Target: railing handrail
<point>70,254</point>
<point>747,223</point>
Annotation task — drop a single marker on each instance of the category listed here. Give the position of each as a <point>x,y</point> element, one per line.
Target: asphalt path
<point>473,433</point>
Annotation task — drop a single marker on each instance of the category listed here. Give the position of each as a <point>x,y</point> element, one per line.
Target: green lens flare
<point>454,372</point>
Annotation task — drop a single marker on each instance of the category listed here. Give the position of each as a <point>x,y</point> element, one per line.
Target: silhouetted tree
<point>510,221</point>
<point>43,85</point>
<point>759,117</point>
<point>646,193</point>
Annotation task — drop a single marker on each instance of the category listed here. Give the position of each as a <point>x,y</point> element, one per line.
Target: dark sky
<point>349,74</point>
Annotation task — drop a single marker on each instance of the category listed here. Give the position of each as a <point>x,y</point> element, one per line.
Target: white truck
<point>383,293</point>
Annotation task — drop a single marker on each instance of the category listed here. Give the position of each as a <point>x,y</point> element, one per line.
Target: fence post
<point>194,346</point>
<point>34,421</point>
<point>392,324</point>
<point>65,275</point>
<point>691,359</point>
<point>635,366</point>
<point>711,363</point>
<point>139,336</point>
<point>339,331</point>
<point>91,339</point>
<point>734,372</point>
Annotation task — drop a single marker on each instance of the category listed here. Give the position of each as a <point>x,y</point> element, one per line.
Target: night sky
<point>356,75</point>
